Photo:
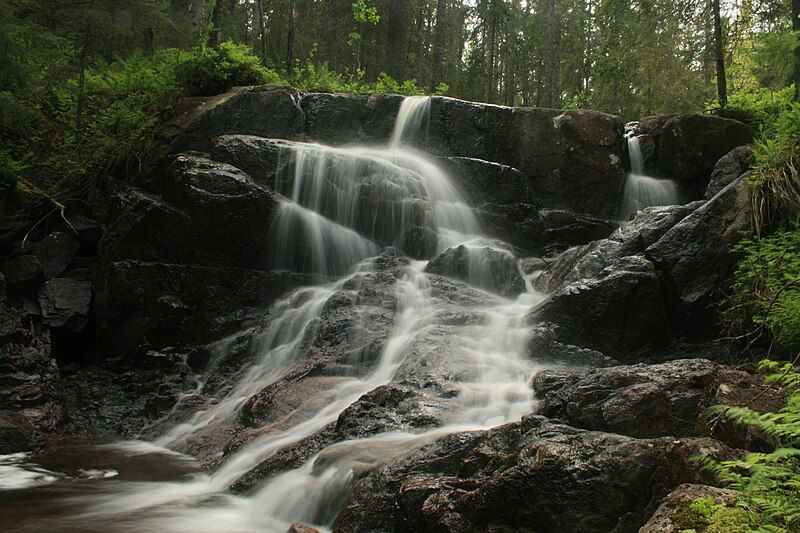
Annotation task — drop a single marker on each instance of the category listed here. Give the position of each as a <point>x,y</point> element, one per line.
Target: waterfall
<point>330,225</point>
<point>412,119</point>
<point>644,191</point>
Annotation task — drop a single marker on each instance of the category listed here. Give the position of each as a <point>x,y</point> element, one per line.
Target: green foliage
<point>768,483</point>
<point>209,71</point>
<point>766,289</point>
<point>320,78</point>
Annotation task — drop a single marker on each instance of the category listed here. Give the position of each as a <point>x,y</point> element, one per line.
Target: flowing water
<point>342,207</point>
<point>641,190</point>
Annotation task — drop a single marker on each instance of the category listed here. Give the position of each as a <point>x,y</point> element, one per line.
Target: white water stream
<point>344,205</point>
<point>641,190</point>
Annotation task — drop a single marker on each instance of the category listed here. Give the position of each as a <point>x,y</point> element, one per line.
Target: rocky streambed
<point>366,313</point>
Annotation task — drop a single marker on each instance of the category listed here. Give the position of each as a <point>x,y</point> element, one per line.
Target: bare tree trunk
<point>216,23</point>
<point>439,40</point>
<point>490,93</point>
<point>262,33</point>
<point>796,28</point>
<point>81,83</point>
<point>290,41</point>
<point>197,10</point>
<point>396,39</point>
<point>719,48</point>
<point>552,68</point>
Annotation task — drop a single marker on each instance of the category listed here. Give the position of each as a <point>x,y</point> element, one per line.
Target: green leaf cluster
<point>768,483</point>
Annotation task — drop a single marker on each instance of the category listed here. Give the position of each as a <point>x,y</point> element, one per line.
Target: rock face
<point>694,257</point>
<point>619,312</point>
<point>670,517</point>
<point>187,264</point>
<point>561,154</point>
<point>728,168</point>
<point>489,268</point>
<point>647,401</point>
<point>536,475</point>
<point>687,147</point>
<point>631,238</point>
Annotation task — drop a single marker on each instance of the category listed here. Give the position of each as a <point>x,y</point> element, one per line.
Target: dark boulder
<point>260,158</point>
<point>689,146</point>
<point>145,305</point>
<point>486,182</point>
<point>340,119</point>
<point>694,258</point>
<point>23,269</point>
<point>488,268</point>
<point>728,168</point>
<point>671,515</point>
<point>552,230</point>
<point>619,312</point>
<point>208,213</point>
<point>631,238</point>
<point>646,401</point>
<point>533,475</point>
<point>55,252</point>
<point>267,111</point>
<point>65,303</point>
<point>88,231</point>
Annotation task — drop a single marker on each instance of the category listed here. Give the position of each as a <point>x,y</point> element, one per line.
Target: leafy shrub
<point>209,71</point>
<point>766,290</point>
<point>768,483</point>
<point>759,107</point>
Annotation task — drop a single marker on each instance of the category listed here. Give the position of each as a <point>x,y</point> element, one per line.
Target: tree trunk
<point>81,82</point>
<point>262,33</point>
<point>552,68</point>
<point>719,48</point>
<point>396,37</point>
<point>149,41</point>
<point>197,11</point>
<point>216,23</point>
<point>439,40</point>
<point>290,41</point>
<point>492,53</point>
<point>796,28</point>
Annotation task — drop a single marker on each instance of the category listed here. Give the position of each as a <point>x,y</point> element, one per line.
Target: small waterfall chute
<point>643,191</point>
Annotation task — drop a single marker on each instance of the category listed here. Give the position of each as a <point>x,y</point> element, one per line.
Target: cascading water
<point>644,191</point>
<point>330,226</point>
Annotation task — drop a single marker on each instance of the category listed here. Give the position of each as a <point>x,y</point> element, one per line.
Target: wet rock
<point>89,232</point>
<point>553,230</point>
<point>694,257</point>
<point>209,214</point>
<point>271,112</point>
<point>489,268</point>
<point>535,475</point>
<point>564,154</point>
<point>487,182</point>
<point>367,119</point>
<point>689,146</point>
<point>631,238</point>
<point>65,303</point>
<point>728,168</point>
<point>618,312</point>
<point>573,160</point>
<point>258,157</point>
<point>23,269</point>
<point>671,516</point>
<point>646,401</point>
<point>298,527</point>
<point>545,348</point>
<point>144,305</point>
<point>55,252</point>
